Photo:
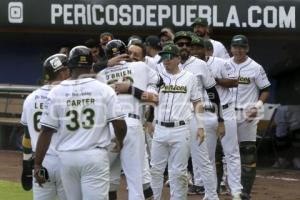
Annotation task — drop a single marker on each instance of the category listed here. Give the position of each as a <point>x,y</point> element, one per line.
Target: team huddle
<point>152,106</point>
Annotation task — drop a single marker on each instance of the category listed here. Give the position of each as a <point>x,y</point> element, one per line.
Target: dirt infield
<point>271,184</point>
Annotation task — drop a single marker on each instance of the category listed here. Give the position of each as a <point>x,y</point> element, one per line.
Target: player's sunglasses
<point>181,44</point>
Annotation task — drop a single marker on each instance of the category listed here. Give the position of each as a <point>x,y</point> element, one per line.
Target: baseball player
<point>224,75</point>
<point>153,47</point>
<point>139,76</point>
<point>55,70</point>
<point>287,119</point>
<point>78,111</point>
<point>172,137</point>
<point>249,97</point>
<point>200,27</point>
<point>202,167</point>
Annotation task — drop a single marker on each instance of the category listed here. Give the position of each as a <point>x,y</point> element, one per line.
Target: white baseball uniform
<point>133,152</point>
<point>32,112</point>
<point>171,140</point>
<point>80,111</point>
<point>222,70</point>
<point>204,172</point>
<point>219,50</point>
<point>252,79</point>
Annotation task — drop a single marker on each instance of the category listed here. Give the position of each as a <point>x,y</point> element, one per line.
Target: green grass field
<point>13,191</point>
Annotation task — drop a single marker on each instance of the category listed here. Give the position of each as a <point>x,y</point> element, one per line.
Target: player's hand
<point>117,60</point>
<point>251,114</point>
<point>200,135</point>
<point>116,146</point>
<point>149,128</point>
<point>122,88</point>
<point>150,97</point>
<point>39,175</point>
<point>221,130</point>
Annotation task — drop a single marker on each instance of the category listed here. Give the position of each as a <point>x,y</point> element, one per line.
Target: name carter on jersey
<point>80,102</point>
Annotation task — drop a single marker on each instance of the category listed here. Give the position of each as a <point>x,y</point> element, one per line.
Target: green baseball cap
<point>239,40</point>
<point>182,34</point>
<point>168,52</point>
<point>201,21</point>
<point>198,41</point>
<point>208,44</point>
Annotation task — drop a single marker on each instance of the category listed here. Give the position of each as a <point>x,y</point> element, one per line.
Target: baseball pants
<point>204,171</point>
<point>170,146</point>
<point>53,188</point>
<point>85,174</point>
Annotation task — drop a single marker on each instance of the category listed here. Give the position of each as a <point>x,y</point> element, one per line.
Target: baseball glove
<point>26,178</point>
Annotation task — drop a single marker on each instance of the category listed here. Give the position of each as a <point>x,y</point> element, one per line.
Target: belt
<point>225,106</point>
<point>210,109</point>
<point>133,116</point>
<point>171,124</point>
<point>104,148</point>
<point>239,109</point>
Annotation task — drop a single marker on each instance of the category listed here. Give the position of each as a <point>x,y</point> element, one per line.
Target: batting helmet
<point>80,57</point>
<point>55,62</point>
<point>114,48</point>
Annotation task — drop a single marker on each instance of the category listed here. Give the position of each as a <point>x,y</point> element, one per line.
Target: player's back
<point>136,73</point>
<point>32,111</point>
<point>80,112</point>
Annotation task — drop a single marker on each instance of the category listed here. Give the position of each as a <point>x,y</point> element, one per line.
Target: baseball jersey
<point>252,78</point>
<point>176,95</point>
<point>219,50</point>
<point>200,70</point>
<point>80,111</point>
<point>139,74</point>
<point>150,62</point>
<point>32,111</point>
<point>222,70</point>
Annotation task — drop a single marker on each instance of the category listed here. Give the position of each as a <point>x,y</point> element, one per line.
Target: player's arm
<point>227,83</point>
<point>264,95</point>
<point>120,129</point>
<point>109,63</point>
<point>226,76</point>
<point>213,96</point>
<point>127,88</point>
<point>199,114</point>
<point>41,149</point>
<point>26,178</point>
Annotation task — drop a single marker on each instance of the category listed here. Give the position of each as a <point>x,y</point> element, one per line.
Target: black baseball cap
<point>208,44</point>
<point>168,52</point>
<point>239,40</point>
<point>201,21</point>
<point>152,41</point>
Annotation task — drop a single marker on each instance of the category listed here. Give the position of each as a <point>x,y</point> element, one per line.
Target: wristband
<point>135,92</point>
<point>200,119</point>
